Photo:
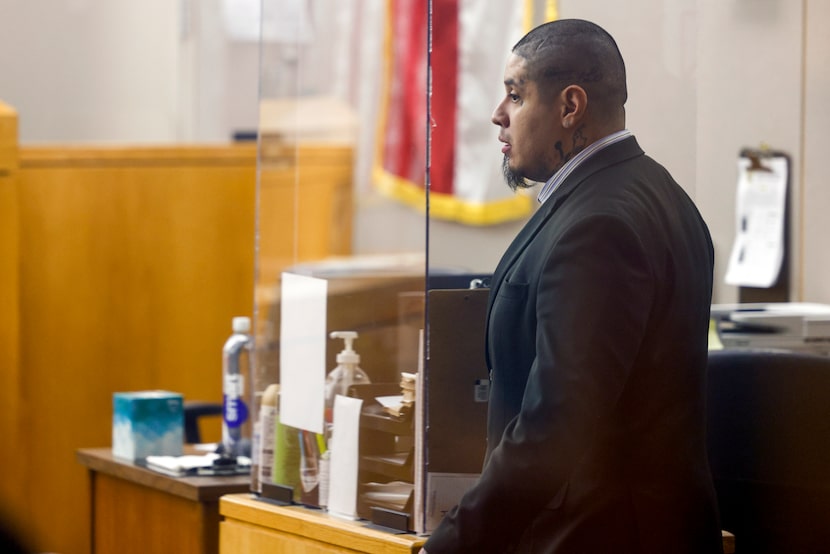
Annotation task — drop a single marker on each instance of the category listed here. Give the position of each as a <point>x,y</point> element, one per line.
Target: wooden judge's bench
<point>122,267</point>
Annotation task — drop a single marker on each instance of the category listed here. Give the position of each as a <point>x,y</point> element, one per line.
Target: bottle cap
<point>271,396</point>
<point>347,355</point>
<point>241,324</point>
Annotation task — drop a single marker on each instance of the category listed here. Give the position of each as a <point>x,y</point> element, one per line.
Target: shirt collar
<point>553,183</point>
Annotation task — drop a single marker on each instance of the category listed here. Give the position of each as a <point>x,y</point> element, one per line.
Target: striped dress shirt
<point>563,173</point>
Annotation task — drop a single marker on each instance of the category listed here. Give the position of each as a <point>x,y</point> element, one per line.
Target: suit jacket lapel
<point>608,156</point>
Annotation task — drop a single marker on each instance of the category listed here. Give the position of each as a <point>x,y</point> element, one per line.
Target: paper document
<point>444,490</point>
<point>760,212</point>
<point>419,508</point>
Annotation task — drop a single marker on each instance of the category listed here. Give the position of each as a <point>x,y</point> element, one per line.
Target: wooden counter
<point>251,525</point>
<point>134,509</point>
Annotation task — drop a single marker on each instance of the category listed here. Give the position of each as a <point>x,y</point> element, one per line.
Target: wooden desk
<point>137,510</point>
<point>251,525</point>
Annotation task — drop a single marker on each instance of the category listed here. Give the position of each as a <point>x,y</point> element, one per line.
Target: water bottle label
<point>233,385</point>
<point>235,411</point>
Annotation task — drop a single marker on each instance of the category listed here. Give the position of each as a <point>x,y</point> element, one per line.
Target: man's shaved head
<point>576,52</point>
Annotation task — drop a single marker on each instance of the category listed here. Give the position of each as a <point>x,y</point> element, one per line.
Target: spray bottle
<point>267,427</point>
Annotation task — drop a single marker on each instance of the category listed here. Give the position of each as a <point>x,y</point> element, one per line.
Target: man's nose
<point>499,118</point>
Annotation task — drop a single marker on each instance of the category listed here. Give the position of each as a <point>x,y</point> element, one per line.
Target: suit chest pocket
<point>511,323</point>
<point>513,292</point>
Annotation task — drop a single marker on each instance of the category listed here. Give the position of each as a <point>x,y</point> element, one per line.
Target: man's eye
<point>513,97</point>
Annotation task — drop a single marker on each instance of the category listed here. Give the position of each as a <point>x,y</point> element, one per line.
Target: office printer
<point>795,326</point>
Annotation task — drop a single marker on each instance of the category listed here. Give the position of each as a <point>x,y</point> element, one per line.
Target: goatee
<point>513,179</point>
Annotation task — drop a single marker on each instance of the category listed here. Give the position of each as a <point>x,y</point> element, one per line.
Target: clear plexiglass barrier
<point>375,199</point>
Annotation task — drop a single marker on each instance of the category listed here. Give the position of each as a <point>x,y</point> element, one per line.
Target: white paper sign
<point>760,208</point>
<point>303,351</point>
<point>344,456</point>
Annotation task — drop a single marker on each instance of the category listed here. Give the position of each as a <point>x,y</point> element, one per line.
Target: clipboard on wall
<point>759,261</point>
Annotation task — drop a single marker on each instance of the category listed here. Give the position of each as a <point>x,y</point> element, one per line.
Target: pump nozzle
<point>347,355</point>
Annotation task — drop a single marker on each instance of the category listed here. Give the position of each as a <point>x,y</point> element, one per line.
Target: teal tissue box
<point>147,423</point>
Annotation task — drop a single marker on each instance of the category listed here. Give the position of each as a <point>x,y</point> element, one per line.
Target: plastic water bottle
<point>236,372</point>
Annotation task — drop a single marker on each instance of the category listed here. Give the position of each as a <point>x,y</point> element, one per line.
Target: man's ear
<point>574,104</point>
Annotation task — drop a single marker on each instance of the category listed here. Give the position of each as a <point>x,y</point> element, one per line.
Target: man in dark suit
<point>596,328</point>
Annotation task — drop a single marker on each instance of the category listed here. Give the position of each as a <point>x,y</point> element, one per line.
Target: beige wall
<point>815,197</point>
<point>749,90</point>
<point>91,70</point>
<point>706,78</point>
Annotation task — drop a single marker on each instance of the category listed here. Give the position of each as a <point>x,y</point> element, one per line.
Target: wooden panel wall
<point>305,206</point>
<point>133,262</point>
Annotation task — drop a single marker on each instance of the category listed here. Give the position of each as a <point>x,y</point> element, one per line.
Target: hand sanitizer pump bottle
<point>346,374</point>
<point>338,381</point>
<point>236,372</point>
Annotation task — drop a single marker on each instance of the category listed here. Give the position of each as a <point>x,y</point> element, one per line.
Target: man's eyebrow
<point>514,83</point>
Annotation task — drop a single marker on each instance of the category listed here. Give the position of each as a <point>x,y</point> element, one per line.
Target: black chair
<point>193,411</point>
<point>769,448</point>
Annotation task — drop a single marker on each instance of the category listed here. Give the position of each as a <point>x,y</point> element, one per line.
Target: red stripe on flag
<point>458,66</point>
<point>405,146</point>
<point>444,93</point>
